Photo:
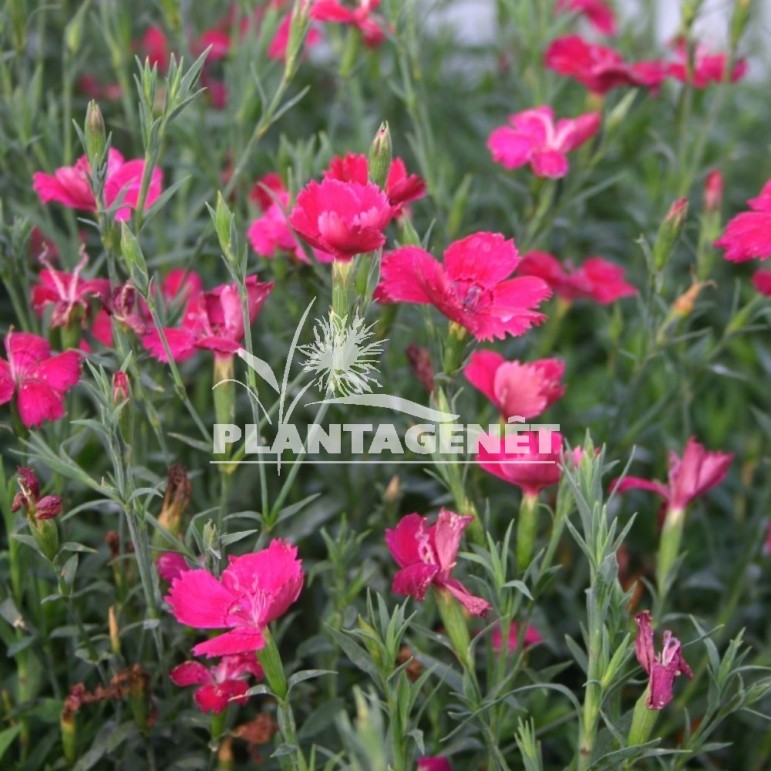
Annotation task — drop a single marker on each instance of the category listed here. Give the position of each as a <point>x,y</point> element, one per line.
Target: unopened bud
<point>48,507</point>
<point>379,159</point>
<point>94,132</point>
<point>112,624</point>
<point>420,361</point>
<point>669,231</point>
<point>739,20</point>
<point>121,389</point>
<point>691,9</point>
<point>392,492</point>
<point>69,731</point>
<point>134,258</point>
<point>713,191</point>
<point>176,499</point>
<point>684,304</point>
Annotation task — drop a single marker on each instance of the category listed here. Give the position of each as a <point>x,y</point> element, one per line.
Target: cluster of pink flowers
<point>343,215</point>
<point>595,279</point>
<point>600,68</point>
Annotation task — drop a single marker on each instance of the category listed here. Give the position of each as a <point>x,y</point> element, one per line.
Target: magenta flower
<point>69,294</point>
<point>401,187</point>
<point>39,379</point>
<point>748,235</point>
<point>342,218</point>
<point>434,763</point>
<point>663,668</point>
<point>469,288</point>
<point>532,637</point>
<point>516,388</point>
<point>219,684</point>
<point>600,68</point>
<point>271,233</point>
<point>762,282</point>
<point>691,476</point>
<point>708,68</point>
<point>71,187</point>
<point>171,565</point>
<point>534,138</point>
<point>595,279</point>
<point>280,42</point>
<point>529,468</point>
<point>427,554</point>
<point>371,26</point>
<point>599,15</point>
<point>212,320</point>
<point>253,591</point>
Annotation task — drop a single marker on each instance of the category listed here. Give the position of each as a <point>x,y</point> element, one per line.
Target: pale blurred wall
<point>475,20</point>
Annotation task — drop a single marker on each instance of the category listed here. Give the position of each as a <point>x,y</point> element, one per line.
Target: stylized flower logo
<point>341,357</point>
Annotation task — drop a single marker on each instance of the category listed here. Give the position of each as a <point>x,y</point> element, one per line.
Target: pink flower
<point>342,218</point>
<point>600,68</point>
<point>212,320</point>
<point>596,279</point>
<point>171,565</point>
<point>219,684</point>
<point>155,46</point>
<point>39,379</point>
<point>253,591</point>
<point>362,16</point>
<point>68,293</point>
<point>401,187</point>
<point>71,187</point>
<point>427,554</point>
<point>599,15</point>
<point>434,763</point>
<point>748,235</point>
<point>516,388</point>
<point>469,288</point>
<point>663,668</point>
<point>707,68</point>
<point>762,282</point>
<point>534,138</point>
<point>528,468</point>
<point>280,41</point>
<point>713,191</point>
<point>532,637</point>
<point>691,476</point>
<point>271,232</point>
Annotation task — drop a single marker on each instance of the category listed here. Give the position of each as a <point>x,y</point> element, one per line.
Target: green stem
<point>527,529</point>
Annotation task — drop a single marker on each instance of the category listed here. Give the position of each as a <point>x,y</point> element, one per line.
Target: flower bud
<point>48,507</point>
<point>713,191</point>
<point>112,625</point>
<point>669,231</point>
<point>176,499</point>
<point>379,158</point>
<point>683,305</point>
<point>420,361</point>
<point>94,132</point>
<point>121,389</point>
<point>134,259</point>
<point>739,20</point>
